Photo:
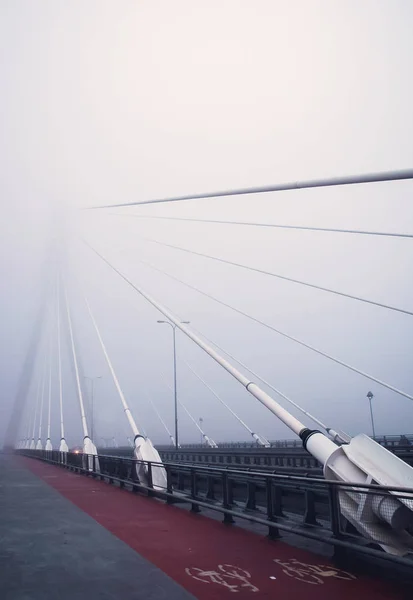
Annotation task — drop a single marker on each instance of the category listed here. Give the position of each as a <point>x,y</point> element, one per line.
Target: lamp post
<point>92,380</point>
<point>175,391</point>
<point>370,397</point>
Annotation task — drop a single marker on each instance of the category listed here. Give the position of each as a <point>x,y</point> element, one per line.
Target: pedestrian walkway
<point>65,536</point>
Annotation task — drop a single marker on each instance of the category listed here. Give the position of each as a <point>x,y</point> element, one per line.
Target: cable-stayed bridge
<point>361,487</point>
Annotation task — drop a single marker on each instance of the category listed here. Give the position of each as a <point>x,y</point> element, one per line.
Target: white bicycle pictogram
<point>313,574</point>
<point>231,577</point>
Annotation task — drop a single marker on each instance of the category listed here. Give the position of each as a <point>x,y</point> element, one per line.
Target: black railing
<point>308,507</point>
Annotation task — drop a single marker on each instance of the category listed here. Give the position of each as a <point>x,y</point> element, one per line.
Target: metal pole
<point>370,397</point>
<point>175,386</point>
<point>175,390</point>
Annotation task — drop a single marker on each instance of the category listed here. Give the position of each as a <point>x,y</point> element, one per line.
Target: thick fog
<point>108,102</point>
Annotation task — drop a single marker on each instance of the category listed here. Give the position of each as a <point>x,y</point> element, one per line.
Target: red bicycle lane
<point>209,559</point>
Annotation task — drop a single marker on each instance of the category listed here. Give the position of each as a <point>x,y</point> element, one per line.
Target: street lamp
<point>175,392</point>
<point>92,380</point>
<point>370,397</point>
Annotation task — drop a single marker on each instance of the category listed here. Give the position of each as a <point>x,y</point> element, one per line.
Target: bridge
<point>323,510</point>
<point>206,300</point>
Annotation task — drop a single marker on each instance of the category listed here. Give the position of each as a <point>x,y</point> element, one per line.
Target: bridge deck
<point>64,535</point>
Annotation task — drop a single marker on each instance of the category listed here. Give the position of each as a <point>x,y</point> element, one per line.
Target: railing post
<point>194,507</point>
<point>250,504</point>
<point>273,532</point>
<point>334,510</point>
<point>169,488</point>
<point>181,481</point>
<point>335,514</point>
<point>122,473</point>
<point>211,488</point>
<point>310,512</point>
<point>110,470</point>
<point>277,499</point>
<point>134,477</point>
<point>150,480</point>
<point>226,501</point>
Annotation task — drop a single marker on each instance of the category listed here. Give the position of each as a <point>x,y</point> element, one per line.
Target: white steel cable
<point>343,437</point>
<point>286,335</point>
<point>171,437</point>
<point>39,438</point>
<point>214,393</point>
<point>125,405</point>
<point>29,423</point>
<point>284,278</point>
<point>281,187</point>
<point>327,429</point>
<point>207,439</point>
<point>270,225</point>
<point>49,411</point>
<point>78,385</point>
<point>294,424</point>
<point>39,383</point>
<point>59,360</point>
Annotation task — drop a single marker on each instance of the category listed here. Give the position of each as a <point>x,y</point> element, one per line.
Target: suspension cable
<point>29,424</point>
<point>278,276</point>
<point>211,443</point>
<point>39,439</point>
<point>257,437</point>
<point>78,385</point>
<point>207,439</point>
<point>39,384</point>
<point>272,225</point>
<point>49,410</point>
<point>126,408</point>
<point>281,187</point>
<point>59,360</point>
<point>171,437</point>
<point>286,335</point>
<point>342,437</point>
<point>294,424</point>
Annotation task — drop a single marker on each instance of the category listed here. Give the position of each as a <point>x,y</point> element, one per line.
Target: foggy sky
<point>105,102</point>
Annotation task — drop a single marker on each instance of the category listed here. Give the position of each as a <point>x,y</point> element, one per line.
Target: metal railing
<point>307,507</point>
<point>385,440</point>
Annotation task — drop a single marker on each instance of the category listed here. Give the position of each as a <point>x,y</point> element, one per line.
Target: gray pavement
<point>50,549</point>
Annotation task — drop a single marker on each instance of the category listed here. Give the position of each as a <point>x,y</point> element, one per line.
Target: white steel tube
<point>281,187</point>
<point>78,386</point>
<point>331,432</point>
<point>39,383</point>
<point>39,437</point>
<point>208,440</point>
<point>49,411</point>
<point>126,408</point>
<point>291,422</point>
<point>33,442</point>
<point>218,397</point>
<point>59,362</point>
<point>171,437</point>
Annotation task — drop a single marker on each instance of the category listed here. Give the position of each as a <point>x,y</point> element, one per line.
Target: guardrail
<point>307,507</point>
<point>385,440</point>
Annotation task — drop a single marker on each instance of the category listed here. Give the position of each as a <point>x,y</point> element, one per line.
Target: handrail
<point>120,470</point>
